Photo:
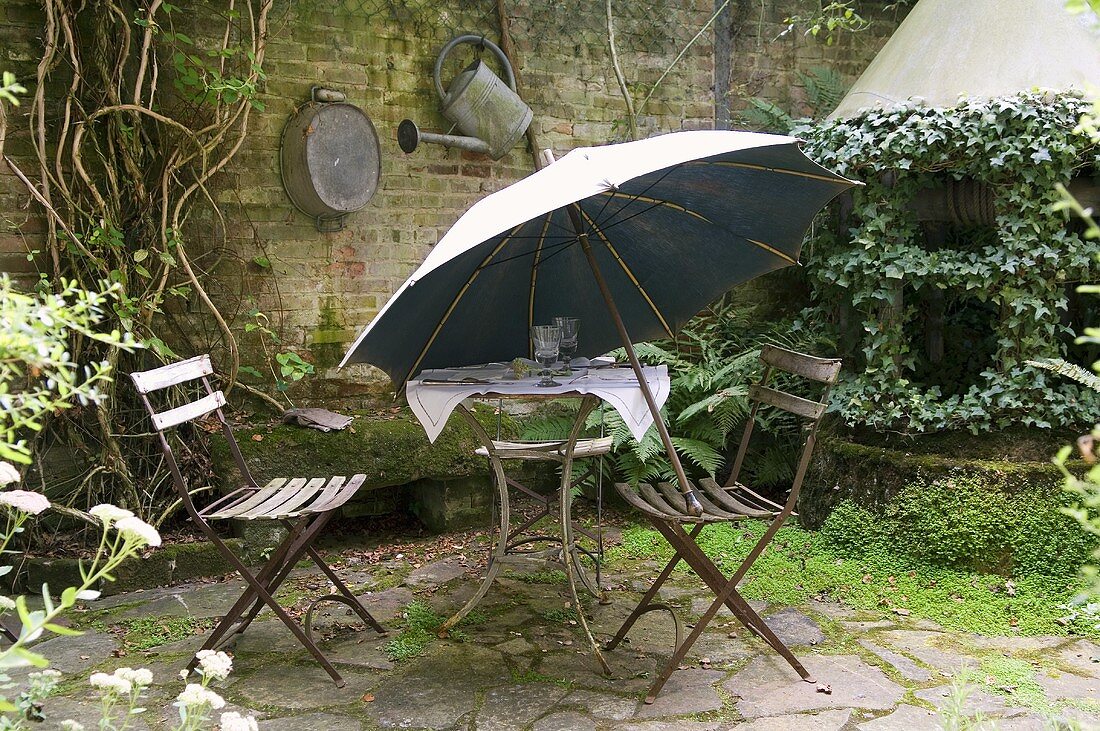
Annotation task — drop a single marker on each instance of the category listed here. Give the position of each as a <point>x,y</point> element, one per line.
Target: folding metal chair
<point>666,509</point>
<point>304,506</point>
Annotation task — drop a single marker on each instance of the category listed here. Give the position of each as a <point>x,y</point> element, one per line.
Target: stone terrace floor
<point>523,665</point>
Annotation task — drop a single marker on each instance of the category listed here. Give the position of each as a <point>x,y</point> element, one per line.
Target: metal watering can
<point>484,108</point>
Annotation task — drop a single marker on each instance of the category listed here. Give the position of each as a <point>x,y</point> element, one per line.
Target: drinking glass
<point>547,342</point>
<point>570,327</point>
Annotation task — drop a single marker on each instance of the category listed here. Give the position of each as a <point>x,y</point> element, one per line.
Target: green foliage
<point>1020,146</point>
<point>824,89</point>
<point>421,624</point>
<point>966,521</point>
<point>559,615</point>
<point>9,87</point>
<point>710,364</point>
<point>800,567</point>
<point>38,374</point>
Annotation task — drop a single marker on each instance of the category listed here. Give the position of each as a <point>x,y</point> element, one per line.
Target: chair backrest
<point>198,368</point>
<point>825,371</point>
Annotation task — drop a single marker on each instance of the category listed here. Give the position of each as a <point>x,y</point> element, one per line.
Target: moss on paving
<point>800,566</point>
<point>143,633</point>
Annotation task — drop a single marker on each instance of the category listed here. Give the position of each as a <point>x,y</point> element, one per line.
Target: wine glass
<point>570,326</point>
<point>547,342</point>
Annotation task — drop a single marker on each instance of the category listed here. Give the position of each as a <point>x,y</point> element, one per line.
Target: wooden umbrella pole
<point>685,487</point>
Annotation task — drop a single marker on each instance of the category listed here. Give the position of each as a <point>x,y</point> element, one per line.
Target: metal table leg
<point>501,546</point>
<point>569,548</point>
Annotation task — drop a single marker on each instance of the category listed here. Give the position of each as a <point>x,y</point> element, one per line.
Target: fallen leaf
<point>900,611</point>
<point>257,437</point>
<point>824,688</point>
<point>368,698</point>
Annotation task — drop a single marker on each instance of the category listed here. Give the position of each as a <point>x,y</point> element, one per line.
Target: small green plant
<point>559,615</point>
<point>421,627</point>
<point>286,366</point>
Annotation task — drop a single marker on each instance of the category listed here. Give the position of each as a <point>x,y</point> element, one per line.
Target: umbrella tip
<point>547,157</point>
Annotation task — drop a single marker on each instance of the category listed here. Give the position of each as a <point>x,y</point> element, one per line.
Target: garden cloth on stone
<point>319,419</point>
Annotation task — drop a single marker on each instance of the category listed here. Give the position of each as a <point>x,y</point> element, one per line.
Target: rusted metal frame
<point>500,549</point>
<point>268,576</point>
<point>647,598</point>
<point>303,531</point>
<point>568,548</point>
<point>743,447</point>
<point>727,594</point>
<point>685,486</point>
<point>8,634</point>
<point>352,600</point>
<point>234,449</point>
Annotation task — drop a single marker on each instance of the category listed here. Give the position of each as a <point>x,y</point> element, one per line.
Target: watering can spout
<point>409,138</point>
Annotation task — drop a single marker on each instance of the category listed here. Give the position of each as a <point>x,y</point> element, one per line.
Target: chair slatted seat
<point>547,449</point>
<point>666,509</point>
<point>303,505</point>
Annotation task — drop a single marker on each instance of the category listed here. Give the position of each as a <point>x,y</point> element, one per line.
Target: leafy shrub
<point>868,276</point>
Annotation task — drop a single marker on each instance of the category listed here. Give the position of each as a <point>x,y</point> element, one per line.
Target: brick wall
<point>321,288</point>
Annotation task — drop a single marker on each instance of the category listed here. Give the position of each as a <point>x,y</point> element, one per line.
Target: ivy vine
<point>877,261</point>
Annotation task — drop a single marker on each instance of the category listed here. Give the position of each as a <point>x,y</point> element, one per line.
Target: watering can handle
<point>473,40</point>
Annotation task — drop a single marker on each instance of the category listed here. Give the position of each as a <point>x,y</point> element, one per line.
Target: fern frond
<point>699,452</point>
<point>1068,370</point>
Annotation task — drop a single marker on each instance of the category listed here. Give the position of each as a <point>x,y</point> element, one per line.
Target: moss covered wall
<point>983,514</point>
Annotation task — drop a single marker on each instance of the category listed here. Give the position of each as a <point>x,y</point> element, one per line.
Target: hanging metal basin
<point>330,160</point>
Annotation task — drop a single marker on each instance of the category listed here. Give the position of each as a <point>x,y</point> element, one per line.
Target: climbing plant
<point>135,110</point>
<point>870,271</point>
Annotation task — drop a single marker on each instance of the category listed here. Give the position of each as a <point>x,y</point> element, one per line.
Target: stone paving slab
<point>687,691</point>
<point>769,687</point>
<point>524,664</point>
<point>824,721</point>
<point>905,718</point>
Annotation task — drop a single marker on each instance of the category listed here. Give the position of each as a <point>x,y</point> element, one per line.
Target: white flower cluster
<point>8,474</point>
<point>6,604</point>
<point>137,531</point>
<point>111,683</point>
<point>214,665</point>
<point>195,696</point>
<point>71,725</point>
<point>29,502</point>
<point>140,677</point>
<point>110,513</point>
<point>233,721</point>
<point>122,681</point>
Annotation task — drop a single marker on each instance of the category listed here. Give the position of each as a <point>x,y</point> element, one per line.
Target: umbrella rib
<point>656,203</point>
<point>628,272</point>
<point>535,272</point>
<point>772,250</point>
<point>765,168</point>
<point>458,297</point>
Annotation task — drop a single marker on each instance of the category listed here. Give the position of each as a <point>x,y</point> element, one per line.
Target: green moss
<point>421,626</point>
<point>544,576</point>
<point>391,451</point>
<point>143,633</point>
<point>800,566</point>
<point>969,520</point>
<point>559,615</point>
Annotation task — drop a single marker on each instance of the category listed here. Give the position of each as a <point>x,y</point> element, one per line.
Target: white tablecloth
<point>433,403</point>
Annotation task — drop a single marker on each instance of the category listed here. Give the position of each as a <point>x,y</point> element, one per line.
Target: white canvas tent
<point>979,48</point>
